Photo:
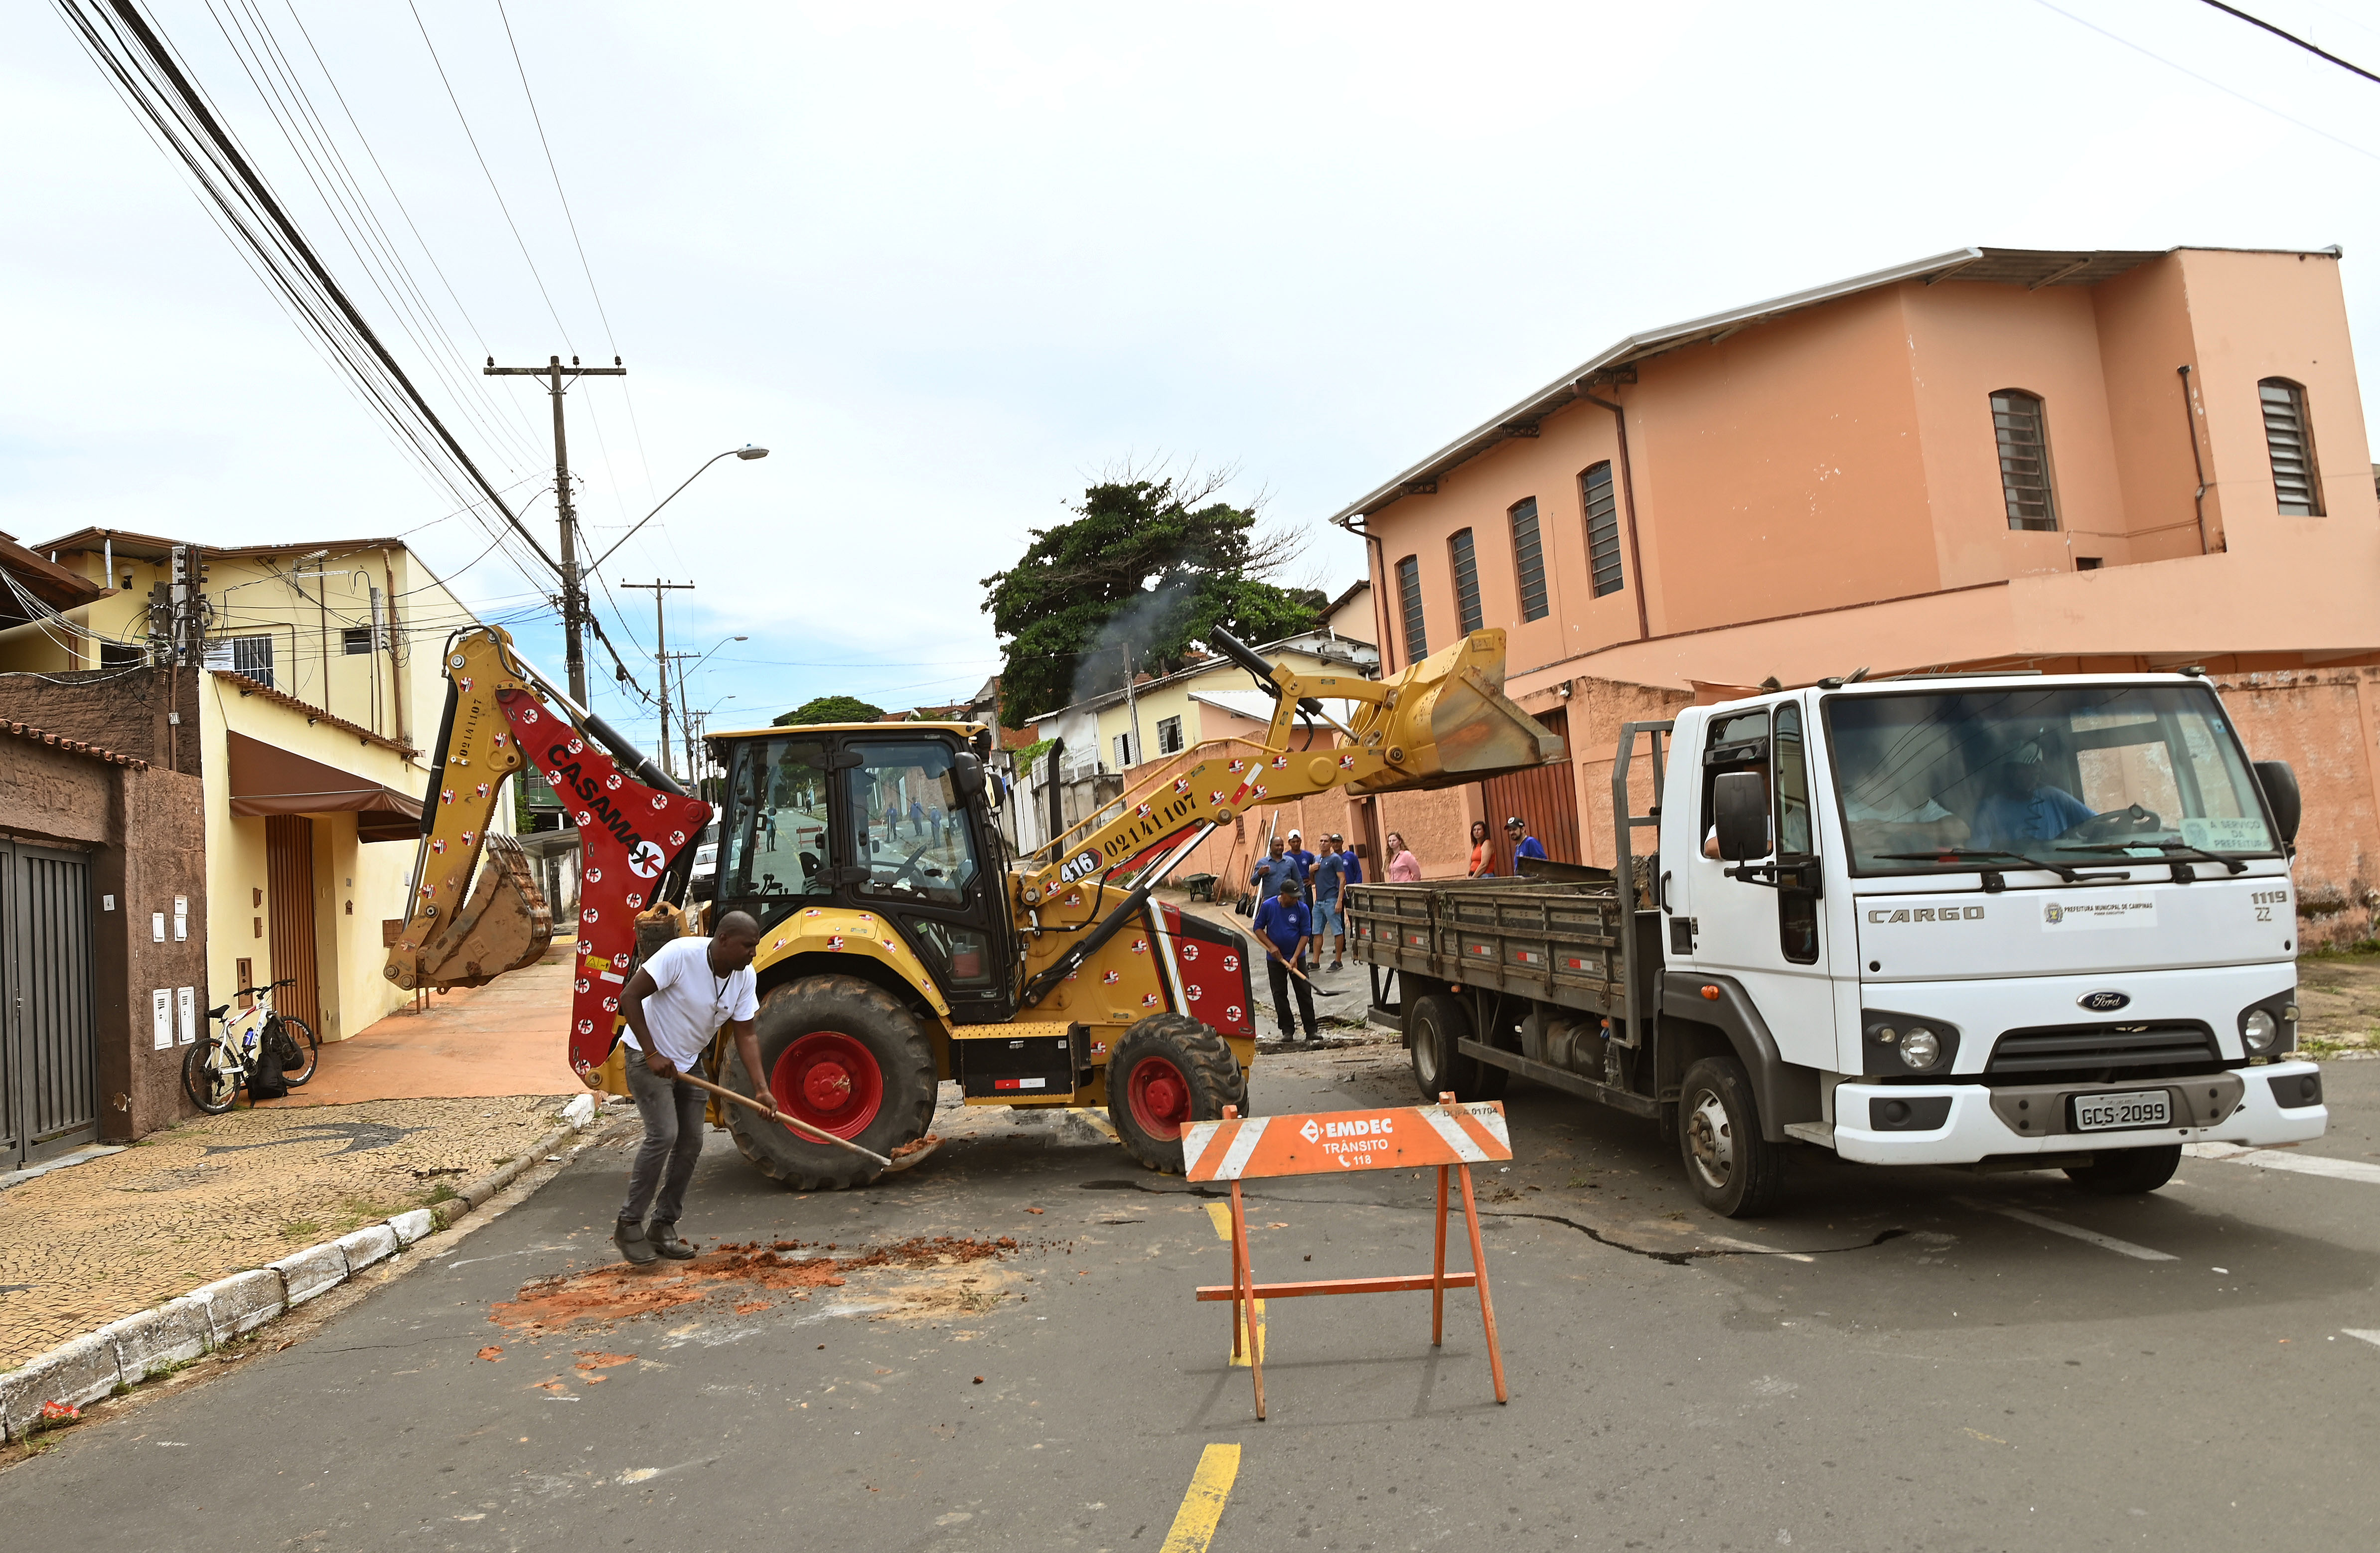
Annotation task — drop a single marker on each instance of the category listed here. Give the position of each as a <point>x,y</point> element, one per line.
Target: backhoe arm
<point>1443,720</point>
<point>459,933</point>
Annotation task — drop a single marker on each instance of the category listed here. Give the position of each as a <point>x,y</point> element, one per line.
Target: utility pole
<point>662,652</point>
<point>574,596</point>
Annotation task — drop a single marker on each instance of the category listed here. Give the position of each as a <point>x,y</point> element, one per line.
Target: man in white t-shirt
<point>674,1006</point>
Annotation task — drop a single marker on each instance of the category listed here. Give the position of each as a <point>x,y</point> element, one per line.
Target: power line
<point>2317,50</point>
<point>490,177</point>
<point>2204,81</point>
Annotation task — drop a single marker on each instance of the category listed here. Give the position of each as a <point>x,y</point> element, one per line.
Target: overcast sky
<point>949,263</point>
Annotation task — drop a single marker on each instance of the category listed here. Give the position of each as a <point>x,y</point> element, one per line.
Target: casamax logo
<point>1930,914</point>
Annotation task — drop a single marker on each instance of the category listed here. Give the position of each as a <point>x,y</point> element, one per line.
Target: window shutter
<point>1467,583</point>
<point>1529,560</point>
<point>2288,438</point>
<point>1409,599</point>
<point>1602,528</point>
<point>2022,431</point>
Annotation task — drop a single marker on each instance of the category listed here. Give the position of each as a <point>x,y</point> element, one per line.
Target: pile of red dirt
<point>619,1292</point>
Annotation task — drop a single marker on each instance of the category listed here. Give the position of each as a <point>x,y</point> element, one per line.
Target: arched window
<point>1409,601</point>
<point>1602,527</point>
<point>1468,616</point>
<point>2288,438</point>
<point>1529,559</point>
<point>2023,433</point>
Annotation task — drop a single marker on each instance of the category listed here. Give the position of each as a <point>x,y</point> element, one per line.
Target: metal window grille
<point>2023,435</point>
<point>1529,560</point>
<point>1409,599</point>
<point>2289,437</point>
<point>1467,583</point>
<point>1168,735</point>
<point>1602,528</point>
<point>252,656</point>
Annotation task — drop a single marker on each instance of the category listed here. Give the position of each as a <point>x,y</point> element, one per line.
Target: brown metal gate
<point>1544,796</point>
<point>49,1032</point>
<point>289,899</point>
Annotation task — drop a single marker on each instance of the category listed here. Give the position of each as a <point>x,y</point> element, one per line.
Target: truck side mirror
<point>966,777</point>
<point>2280,785</point>
<point>1740,813</point>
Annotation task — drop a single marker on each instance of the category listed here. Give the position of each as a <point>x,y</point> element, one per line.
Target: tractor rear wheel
<point>843,1055</point>
<point>1167,1072</point>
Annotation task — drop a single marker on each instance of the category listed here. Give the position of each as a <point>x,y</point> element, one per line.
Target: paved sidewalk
<point>81,1247</point>
<point>508,1038</point>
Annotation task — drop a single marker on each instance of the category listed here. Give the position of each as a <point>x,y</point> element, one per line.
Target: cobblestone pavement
<point>81,1246</point>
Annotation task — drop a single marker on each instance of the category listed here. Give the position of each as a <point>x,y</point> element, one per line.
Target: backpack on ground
<point>269,1079</point>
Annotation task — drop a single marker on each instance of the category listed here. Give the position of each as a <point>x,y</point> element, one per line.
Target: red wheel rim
<point>1159,1095</point>
<point>830,1080</point>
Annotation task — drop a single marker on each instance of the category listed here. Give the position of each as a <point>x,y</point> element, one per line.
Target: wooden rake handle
<point>803,1128</point>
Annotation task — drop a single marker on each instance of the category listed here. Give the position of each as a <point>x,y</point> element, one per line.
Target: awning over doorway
<point>268,779</point>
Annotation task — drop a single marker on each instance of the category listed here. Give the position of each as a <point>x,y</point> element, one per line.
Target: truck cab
<point>1990,916</point>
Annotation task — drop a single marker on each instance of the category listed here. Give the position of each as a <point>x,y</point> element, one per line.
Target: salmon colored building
<point>2069,461</point>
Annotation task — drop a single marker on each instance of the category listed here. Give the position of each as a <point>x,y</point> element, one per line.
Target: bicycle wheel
<point>300,1050</point>
<point>211,1076</point>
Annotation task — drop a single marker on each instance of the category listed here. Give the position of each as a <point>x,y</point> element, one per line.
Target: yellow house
<point>299,682</point>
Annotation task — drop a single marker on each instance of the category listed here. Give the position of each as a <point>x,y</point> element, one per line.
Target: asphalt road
<point>1913,1359</point>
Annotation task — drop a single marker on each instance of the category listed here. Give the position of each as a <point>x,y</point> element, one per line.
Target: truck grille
<point>2181,1043</point>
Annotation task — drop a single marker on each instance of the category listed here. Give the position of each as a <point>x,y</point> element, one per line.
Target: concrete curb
<point>127,1351</point>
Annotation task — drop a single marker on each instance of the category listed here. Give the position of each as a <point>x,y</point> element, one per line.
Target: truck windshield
<point>1937,783</point>
<point>777,847</point>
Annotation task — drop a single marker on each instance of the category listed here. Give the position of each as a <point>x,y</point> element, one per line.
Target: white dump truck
<point>1999,921</point>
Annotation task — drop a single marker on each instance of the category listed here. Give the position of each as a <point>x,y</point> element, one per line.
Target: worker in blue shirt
<point>1524,845</point>
<point>1271,873</point>
<point>2022,808</point>
<point>1281,924</point>
<point>1305,859</point>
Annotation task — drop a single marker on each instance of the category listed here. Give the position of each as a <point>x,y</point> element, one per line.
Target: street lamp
<point>747,452</point>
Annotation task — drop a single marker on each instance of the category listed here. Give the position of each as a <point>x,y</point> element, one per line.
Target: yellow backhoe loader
<point>900,946</point>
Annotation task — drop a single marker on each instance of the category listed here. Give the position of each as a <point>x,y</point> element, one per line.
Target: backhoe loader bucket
<point>504,926</point>
<point>1450,722</point>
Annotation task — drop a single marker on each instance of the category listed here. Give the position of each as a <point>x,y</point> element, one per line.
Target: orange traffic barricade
<point>1449,1135</point>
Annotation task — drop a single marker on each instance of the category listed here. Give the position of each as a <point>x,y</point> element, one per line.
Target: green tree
<point>1145,569</point>
<point>829,708</point>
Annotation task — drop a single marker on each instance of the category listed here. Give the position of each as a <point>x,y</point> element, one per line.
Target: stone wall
<point>116,710</point>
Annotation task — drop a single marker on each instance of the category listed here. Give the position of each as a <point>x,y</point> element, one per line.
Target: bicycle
<point>216,1068</point>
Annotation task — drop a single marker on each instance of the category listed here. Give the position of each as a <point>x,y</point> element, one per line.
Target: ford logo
<point>2104,1002</point>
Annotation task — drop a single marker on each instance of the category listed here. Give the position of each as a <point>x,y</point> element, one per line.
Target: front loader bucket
<point>504,926</point>
<point>1450,722</point>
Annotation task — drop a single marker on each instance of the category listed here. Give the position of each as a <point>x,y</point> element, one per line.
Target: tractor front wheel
<point>1167,1072</point>
<point>843,1055</point>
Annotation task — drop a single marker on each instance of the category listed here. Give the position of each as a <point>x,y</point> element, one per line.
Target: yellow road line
<point>1247,1342</point>
<point>1202,1507</point>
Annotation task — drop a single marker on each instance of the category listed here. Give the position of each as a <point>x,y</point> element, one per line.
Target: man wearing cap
<point>1516,831</point>
<point>1305,859</point>
<point>1330,876</point>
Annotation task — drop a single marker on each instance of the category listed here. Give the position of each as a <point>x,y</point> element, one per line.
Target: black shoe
<point>663,1235</point>
<point>630,1237</point>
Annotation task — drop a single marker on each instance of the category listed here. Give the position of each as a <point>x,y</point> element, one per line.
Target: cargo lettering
<point>1927,914</point>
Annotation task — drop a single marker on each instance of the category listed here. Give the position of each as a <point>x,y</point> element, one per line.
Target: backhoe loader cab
<point>886,821</point>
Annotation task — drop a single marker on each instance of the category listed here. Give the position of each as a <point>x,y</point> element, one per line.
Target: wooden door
<point>1545,797</point>
<point>289,899</point>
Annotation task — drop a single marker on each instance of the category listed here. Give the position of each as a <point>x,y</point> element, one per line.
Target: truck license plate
<point>2139,1108</point>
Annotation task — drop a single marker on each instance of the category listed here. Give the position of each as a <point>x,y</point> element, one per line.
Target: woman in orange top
<point>1482,850</point>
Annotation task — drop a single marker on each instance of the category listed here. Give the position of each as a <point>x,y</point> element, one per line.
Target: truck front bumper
<point>1975,1128</point>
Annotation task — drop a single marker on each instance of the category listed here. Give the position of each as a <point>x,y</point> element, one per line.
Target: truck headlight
<point>1920,1048</point>
<point>2259,1030</point>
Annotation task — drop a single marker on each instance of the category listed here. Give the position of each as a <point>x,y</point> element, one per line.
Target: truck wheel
<point>2123,1173</point>
<point>1434,1025</point>
<point>843,1055</point>
<point>1732,1168</point>
<point>1167,1072</point>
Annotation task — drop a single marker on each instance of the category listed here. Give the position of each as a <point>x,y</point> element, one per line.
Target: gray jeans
<point>673,1113</point>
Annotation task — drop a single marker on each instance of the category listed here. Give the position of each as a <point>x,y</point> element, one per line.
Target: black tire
<point>1435,1023</point>
<point>854,1029</point>
<point>211,1089</point>
<point>1167,1072</point>
<point>300,1050</point>
<point>2129,1171</point>
<point>1734,1171</point>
